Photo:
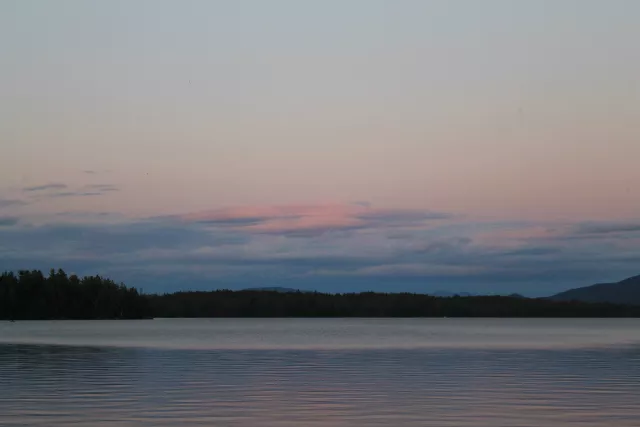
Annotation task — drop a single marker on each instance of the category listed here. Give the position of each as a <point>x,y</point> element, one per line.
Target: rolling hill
<point>624,292</point>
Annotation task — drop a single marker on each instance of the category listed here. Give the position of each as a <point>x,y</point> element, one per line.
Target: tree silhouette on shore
<point>32,295</point>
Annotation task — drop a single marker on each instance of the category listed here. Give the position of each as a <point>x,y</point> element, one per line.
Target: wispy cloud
<point>89,190</point>
<point>75,194</point>
<point>102,187</point>
<point>58,190</point>
<point>45,187</point>
<point>534,251</point>
<point>312,220</point>
<point>4,203</point>
<point>403,217</point>
<point>8,221</point>
<point>95,171</point>
<point>607,228</point>
<point>80,214</point>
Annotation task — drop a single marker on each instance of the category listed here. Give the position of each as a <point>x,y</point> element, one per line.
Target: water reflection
<point>323,334</point>
<point>42,385</point>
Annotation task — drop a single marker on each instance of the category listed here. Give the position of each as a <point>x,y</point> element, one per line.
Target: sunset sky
<point>478,146</point>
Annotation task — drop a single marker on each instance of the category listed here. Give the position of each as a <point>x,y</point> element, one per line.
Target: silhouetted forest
<point>370,304</point>
<point>31,295</point>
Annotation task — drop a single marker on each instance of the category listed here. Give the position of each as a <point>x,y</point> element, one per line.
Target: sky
<point>464,146</point>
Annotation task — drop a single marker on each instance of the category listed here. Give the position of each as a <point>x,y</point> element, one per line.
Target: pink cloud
<point>308,218</point>
<point>288,218</point>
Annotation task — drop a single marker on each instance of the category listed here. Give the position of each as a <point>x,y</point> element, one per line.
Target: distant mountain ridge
<point>626,291</point>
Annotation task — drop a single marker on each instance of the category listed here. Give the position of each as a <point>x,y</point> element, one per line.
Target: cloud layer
<point>348,247</point>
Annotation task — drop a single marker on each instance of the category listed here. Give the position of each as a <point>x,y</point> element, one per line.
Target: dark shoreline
<point>30,295</point>
<point>270,304</point>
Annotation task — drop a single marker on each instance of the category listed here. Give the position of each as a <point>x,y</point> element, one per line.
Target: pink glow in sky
<point>493,109</point>
<point>289,118</point>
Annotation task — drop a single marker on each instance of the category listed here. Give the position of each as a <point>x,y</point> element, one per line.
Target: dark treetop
<point>31,295</point>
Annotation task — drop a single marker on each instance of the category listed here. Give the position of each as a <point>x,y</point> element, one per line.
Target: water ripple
<point>52,385</point>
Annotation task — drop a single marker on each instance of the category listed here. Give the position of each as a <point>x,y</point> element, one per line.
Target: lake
<point>321,372</point>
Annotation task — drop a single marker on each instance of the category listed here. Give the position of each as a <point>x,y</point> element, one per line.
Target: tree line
<point>227,303</point>
<point>32,295</point>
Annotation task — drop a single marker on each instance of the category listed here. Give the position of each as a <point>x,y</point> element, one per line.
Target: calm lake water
<point>321,372</point>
